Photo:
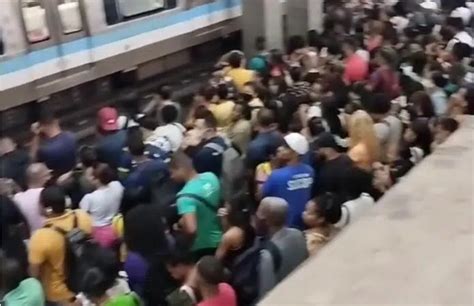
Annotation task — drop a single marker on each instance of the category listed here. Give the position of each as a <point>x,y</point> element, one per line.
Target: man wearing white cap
<point>294,181</point>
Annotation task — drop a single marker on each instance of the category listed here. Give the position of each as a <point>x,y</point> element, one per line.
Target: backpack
<point>158,147</point>
<point>233,172</point>
<point>245,272</point>
<point>139,182</point>
<point>79,254</point>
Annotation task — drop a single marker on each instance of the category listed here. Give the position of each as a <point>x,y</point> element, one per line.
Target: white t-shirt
<point>416,155</point>
<point>353,210</point>
<point>173,132</point>
<point>461,37</point>
<point>28,204</point>
<point>103,204</point>
<point>464,13</point>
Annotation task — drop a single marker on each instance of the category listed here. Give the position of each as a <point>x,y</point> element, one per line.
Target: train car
<point>49,46</point>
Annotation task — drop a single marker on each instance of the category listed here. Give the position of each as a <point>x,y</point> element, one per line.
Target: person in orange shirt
<point>47,247</point>
<point>364,145</point>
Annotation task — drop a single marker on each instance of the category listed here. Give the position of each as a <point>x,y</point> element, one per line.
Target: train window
<point>34,16</point>
<point>135,7</point>
<point>120,10</point>
<point>70,15</point>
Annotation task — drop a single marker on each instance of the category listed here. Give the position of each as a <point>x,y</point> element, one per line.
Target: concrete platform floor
<point>416,247</point>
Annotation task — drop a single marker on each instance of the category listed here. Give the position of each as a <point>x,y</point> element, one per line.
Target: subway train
<point>50,46</point>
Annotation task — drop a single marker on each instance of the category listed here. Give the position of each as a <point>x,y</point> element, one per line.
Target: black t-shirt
<point>13,165</point>
<point>331,175</point>
<point>11,240</point>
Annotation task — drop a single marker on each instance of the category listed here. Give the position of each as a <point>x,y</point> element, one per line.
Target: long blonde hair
<point>361,130</point>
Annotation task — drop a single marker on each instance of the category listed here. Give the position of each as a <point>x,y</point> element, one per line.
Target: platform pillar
<point>262,18</point>
<point>304,15</point>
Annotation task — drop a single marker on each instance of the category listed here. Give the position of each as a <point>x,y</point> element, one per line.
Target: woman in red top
<point>385,79</point>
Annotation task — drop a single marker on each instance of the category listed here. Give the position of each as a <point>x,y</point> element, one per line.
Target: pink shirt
<point>357,69</point>
<point>225,297</point>
<point>28,203</point>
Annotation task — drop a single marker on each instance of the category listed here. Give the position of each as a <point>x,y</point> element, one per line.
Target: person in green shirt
<point>198,203</point>
<point>20,291</point>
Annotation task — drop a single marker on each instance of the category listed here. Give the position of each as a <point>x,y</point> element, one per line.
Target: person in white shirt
<point>464,13</point>
<point>28,201</point>
<point>103,204</point>
<point>358,201</point>
<point>456,24</point>
<point>169,136</point>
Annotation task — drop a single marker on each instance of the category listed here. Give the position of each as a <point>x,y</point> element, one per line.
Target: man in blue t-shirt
<point>142,169</point>
<point>112,141</point>
<point>52,146</point>
<point>267,137</point>
<point>294,181</point>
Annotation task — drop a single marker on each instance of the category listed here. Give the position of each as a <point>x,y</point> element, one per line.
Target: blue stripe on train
<point>39,56</point>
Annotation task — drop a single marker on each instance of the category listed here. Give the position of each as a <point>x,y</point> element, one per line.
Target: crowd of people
<point>215,205</point>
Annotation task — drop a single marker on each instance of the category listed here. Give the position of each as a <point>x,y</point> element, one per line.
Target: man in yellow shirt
<point>223,109</point>
<point>239,75</point>
<point>47,246</point>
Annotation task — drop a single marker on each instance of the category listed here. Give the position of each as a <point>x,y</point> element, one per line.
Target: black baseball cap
<point>326,140</point>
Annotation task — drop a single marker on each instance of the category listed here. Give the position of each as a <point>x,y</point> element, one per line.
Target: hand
<point>35,128</point>
<point>176,227</point>
<point>303,109</point>
<point>222,212</point>
<point>382,180</point>
<point>192,138</point>
<point>65,178</point>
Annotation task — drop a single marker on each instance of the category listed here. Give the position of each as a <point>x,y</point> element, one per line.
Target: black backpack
<point>245,278</point>
<point>79,254</point>
<point>233,171</point>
